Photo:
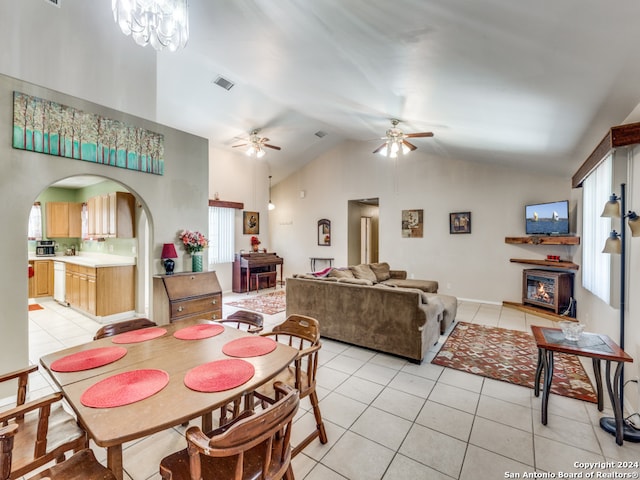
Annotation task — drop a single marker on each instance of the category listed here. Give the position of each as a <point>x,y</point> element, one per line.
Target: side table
<point>595,346</point>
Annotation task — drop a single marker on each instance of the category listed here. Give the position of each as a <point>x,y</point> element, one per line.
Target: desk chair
<point>303,333</point>
<point>253,445</point>
<point>250,322</point>
<point>80,466</point>
<point>36,432</point>
<point>121,327</point>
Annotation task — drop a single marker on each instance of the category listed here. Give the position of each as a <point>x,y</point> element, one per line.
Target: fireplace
<point>548,289</point>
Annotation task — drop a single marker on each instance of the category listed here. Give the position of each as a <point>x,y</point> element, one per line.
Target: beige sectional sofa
<point>375,307</point>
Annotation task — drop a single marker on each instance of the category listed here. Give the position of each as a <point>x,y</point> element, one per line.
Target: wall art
<point>412,223</point>
<point>250,223</point>
<point>44,126</point>
<point>460,222</point>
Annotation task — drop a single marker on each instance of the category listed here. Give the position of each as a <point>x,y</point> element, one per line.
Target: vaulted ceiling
<point>530,84</point>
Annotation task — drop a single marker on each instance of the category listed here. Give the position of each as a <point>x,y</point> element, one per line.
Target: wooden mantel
<point>620,136</point>
<point>225,204</point>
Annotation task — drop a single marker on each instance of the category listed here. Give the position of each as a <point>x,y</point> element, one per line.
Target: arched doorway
<point>136,247</point>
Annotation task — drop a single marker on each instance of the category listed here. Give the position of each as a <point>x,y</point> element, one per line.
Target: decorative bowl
<point>572,330</point>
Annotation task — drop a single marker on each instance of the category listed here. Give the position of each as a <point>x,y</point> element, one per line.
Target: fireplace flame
<point>541,293</point>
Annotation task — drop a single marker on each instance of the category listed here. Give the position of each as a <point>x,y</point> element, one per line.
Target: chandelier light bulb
<point>164,24</point>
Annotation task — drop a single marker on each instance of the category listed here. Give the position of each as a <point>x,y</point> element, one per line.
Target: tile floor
<point>390,419</point>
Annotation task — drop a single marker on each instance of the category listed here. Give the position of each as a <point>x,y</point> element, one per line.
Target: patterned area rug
<point>511,356</point>
<point>268,303</point>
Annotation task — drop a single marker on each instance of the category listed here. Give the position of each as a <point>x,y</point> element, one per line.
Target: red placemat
<point>125,388</point>
<point>88,359</point>
<point>198,332</point>
<point>253,346</point>
<point>219,375</point>
<point>141,335</point>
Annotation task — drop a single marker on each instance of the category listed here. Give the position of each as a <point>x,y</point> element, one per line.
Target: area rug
<point>35,306</point>
<point>511,356</point>
<point>268,303</point>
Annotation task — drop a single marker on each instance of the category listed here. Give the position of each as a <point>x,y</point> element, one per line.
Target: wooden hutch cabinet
<point>186,295</point>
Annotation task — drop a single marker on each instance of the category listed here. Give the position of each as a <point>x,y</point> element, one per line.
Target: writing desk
<point>175,404</point>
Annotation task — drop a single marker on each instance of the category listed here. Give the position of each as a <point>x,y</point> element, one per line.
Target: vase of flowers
<point>194,243</point>
<point>255,241</point>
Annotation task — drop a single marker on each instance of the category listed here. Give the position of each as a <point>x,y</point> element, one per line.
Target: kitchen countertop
<point>95,260</point>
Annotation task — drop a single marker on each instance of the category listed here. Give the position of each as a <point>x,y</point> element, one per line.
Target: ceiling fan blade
<point>263,139</point>
<point>411,146</point>
<point>271,146</point>
<point>419,134</point>
<point>380,147</point>
<point>241,145</point>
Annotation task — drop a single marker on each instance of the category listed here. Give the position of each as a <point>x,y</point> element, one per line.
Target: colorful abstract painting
<point>44,126</point>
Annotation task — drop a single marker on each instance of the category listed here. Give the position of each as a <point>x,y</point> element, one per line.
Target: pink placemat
<point>246,347</point>
<point>219,375</point>
<point>198,332</point>
<point>141,335</point>
<point>125,388</point>
<point>88,359</point>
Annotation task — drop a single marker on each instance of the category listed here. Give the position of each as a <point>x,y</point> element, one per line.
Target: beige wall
<point>474,266</point>
<point>76,65</point>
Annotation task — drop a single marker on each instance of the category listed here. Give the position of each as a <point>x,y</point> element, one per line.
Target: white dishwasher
<point>59,279</point>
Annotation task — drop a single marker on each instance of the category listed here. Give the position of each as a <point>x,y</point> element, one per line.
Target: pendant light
<point>271,205</point>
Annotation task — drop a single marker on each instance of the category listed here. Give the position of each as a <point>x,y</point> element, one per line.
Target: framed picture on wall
<point>460,222</point>
<point>250,223</point>
<point>324,232</point>
<point>412,223</point>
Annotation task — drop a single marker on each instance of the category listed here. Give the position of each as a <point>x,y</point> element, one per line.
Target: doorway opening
<point>78,190</point>
<point>363,236</point>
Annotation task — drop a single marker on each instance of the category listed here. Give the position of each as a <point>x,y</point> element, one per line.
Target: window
<point>596,265</point>
<point>35,222</point>
<point>221,234</point>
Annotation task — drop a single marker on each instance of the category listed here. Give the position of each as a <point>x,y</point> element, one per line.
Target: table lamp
<point>168,254</point>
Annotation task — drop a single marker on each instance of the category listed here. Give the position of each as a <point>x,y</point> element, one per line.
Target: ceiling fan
<point>396,141</point>
<point>256,145</point>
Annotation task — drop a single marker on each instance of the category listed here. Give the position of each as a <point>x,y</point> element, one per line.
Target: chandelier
<point>162,23</point>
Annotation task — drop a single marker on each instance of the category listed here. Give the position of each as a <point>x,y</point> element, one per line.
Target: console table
<point>322,259</point>
<point>595,346</point>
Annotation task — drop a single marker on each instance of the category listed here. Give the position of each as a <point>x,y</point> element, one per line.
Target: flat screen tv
<point>550,218</point>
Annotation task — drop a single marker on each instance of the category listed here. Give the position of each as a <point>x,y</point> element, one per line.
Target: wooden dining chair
<point>124,326</point>
<point>251,322</point>
<point>303,333</point>
<point>80,466</point>
<point>36,432</point>
<point>256,444</point>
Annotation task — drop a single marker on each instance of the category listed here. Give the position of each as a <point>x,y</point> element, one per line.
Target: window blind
<point>596,266</point>
<point>221,234</point>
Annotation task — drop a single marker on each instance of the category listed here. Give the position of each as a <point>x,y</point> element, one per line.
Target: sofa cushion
<point>363,271</point>
<point>356,281</point>
<point>381,271</point>
<point>341,273</point>
<point>430,286</point>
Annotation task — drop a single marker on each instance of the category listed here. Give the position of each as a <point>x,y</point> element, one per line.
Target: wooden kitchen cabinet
<point>101,291</point>
<point>64,219</point>
<point>186,295</point>
<point>111,215</point>
<point>41,284</point>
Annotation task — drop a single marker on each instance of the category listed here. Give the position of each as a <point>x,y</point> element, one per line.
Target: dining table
<point>175,403</point>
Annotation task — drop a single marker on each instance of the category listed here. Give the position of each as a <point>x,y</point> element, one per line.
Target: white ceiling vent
<point>55,3</point>
<point>224,83</point>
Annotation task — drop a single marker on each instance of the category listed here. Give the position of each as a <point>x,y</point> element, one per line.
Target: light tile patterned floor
<point>390,419</point>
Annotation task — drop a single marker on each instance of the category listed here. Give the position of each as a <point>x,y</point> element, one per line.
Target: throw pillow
<point>381,271</point>
<point>364,271</point>
<point>341,273</point>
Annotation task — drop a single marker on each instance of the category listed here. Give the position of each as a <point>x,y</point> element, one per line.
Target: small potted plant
<point>194,243</point>
<point>255,241</point>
